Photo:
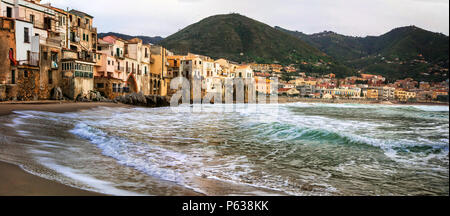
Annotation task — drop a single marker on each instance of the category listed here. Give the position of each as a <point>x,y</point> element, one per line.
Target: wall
<point>107,89</point>
<point>8,91</point>
<point>45,67</point>
<point>22,47</point>
<point>28,86</point>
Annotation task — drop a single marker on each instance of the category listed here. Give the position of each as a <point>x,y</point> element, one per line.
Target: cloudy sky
<point>349,17</point>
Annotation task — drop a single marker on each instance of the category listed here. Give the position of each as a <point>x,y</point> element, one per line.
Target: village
<point>48,53</point>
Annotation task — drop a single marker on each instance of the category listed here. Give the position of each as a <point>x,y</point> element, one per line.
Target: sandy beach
<point>14,181</point>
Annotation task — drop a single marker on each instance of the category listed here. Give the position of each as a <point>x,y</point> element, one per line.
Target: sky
<point>348,17</point>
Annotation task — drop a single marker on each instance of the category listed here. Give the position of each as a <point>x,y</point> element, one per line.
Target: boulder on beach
<point>57,94</point>
<point>139,99</point>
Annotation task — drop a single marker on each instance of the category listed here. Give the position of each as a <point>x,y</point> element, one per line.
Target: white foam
<point>96,184</point>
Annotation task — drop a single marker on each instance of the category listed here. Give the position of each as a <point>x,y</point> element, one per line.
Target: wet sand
<point>14,181</point>
<point>48,106</point>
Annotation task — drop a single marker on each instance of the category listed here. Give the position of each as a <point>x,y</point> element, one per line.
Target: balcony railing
<point>120,69</point>
<point>54,41</point>
<point>32,59</point>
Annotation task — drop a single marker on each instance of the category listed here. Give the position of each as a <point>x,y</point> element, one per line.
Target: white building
<point>27,46</point>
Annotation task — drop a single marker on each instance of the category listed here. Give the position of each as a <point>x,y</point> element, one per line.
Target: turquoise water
<point>290,149</point>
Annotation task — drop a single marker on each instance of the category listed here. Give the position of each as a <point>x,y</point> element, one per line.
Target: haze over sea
<point>286,149</point>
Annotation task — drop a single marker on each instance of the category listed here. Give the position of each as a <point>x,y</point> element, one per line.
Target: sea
<point>298,149</point>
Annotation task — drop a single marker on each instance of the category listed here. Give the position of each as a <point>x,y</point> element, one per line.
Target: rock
<point>307,187</point>
<point>139,99</point>
<point>57,94</point>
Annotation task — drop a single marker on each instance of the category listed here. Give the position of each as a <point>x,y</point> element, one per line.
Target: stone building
<point>8,70</point>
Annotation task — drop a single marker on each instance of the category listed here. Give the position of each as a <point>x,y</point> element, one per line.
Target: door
<point>13,77</point>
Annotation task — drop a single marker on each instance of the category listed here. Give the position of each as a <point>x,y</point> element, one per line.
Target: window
<point>84,36</point>
<point>26,35</point>
<point>87,38</point>
<point>13,77</point>
<point>87,21</point>
<point>70,18</point>
<point>109,62</point>
<point>32,18</point>
<point>9,12</point>
<point>25,74</point>
<point>114,86</point>
<point>50,77</point>
<point>54,60</point>
<point>45,55</point>
<point>146,53</point>
<point>100,85</point>
<point>79,22</point>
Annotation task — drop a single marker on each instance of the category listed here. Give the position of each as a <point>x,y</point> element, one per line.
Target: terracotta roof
<point>284,89</point>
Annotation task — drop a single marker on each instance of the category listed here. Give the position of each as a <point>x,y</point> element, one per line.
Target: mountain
<point>241,39</point>
<point>145,39</point>
<point>403,52</point>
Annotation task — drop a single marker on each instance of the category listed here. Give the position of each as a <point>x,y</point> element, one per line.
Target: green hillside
<point>403,52</point>
<point>239,38</point>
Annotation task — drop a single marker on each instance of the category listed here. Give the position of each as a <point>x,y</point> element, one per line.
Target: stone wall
<point>46,66</point>
<point>105,86</point>
<point>8,90</point>
<point>28,83</point>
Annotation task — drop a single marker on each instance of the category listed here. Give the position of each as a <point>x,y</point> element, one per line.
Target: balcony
<point>120,69</point>
<point>54,41</point>
<point>32,59</point>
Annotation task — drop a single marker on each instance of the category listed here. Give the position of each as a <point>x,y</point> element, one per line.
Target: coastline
<point>15,181</point>
<point>284,100</point>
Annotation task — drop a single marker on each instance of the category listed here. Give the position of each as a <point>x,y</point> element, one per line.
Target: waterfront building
<point>403,95</point>
<point>343,92</point>
<point>159,77</point>
<point>79,60</point>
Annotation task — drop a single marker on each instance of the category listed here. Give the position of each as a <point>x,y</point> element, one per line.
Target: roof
<point>284,89</point>
<point>243,67</point>
<point>80,14</point>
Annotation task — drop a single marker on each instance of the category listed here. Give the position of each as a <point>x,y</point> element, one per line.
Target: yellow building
<point>160,79</point>
<point>372,94</point>
<point>402,95</point>
<point>436,94</point>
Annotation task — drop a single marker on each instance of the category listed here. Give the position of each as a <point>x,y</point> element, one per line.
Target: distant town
<point>49,53</point>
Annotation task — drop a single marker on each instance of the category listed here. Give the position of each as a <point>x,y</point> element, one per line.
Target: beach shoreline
<point>287,100</point>
<point>15,181</point>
